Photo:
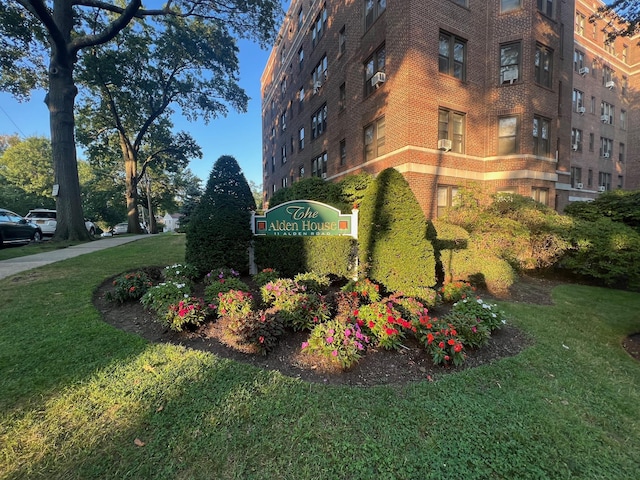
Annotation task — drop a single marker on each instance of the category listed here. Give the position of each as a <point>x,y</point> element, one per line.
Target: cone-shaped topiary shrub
<point>219,231</point>
<point>393,247</point>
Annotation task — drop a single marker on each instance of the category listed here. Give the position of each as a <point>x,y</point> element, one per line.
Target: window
<point>319,165</point>
<point>625,54</point>
<point>606,147</point>
<point>375,63</point>
<point>609,46</point>
<point>343,152</point>
<point>300,99</point>
<point>283,86</point>
<point>300,18</point>
<point>604,180</point>
<point>620,181</point>
<point>540,195</point>
<point>301,171</point>
<point>273,164</point>
<point>320,73</point>
<point>578,60</point>
<point>624,85</point>
<point>580,20</point>
<point>446,196</point>
<point>283,154</point>
<point>451,126</point>
<point>463,3</point>
<point>509,63</point>
<point>319,122</point>
<point>621,152</point>
<point>592,142</point>
<point>283,121</point>
<point>578,101</point>
<point>543,66</point>
<point>301,58</point>
<point>342,41</point>
<point>576,176</point>
<point>541,143</point>
<point>510,5</point>
<point>319,26</point>
<point>593,105</point>
<point>301,139</point>
<point>374,134</point>
<point>507,135</point>
<point>546,7</point>
<point>452,55</point>
<point>590,178</point>
<point>576,139</point>
<point>607,113</point>
<point>623,119</point>
<point>284,182</point>
<point>372,10</point>
<point>342,97</point>
<point>607,75</point>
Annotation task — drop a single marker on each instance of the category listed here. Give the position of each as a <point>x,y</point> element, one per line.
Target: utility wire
<point>14,123</point>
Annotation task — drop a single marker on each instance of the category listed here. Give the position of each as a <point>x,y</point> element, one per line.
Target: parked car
<point>120,228</point>
<point>46,220</point>
<point>15,229</point>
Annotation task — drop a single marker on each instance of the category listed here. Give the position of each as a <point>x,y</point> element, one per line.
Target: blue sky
<point>239,135</point>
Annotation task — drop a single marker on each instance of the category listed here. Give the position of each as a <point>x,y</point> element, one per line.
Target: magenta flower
<point>347,332</point>
<point>329,339</point>
<point>305,345</point>
<point>334,353</point>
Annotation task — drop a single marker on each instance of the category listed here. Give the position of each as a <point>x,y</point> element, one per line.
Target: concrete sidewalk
<point>20,264</point>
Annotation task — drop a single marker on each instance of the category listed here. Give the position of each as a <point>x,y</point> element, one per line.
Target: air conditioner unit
<point>583,71</point>
<point>378,79</point>
<point>510,75</point>
<point>444,144</point>
<point>605,155</point>
<point>604,118</point>
<point>602,188</point>
<point>579,186</point>
<point>581,110</point>
<point>316,87</point>
<point>324,175</point>
<point>610,84</point>
<point>574,147</point>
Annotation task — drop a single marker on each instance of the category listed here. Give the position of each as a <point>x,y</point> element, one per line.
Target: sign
<point>305,218</point>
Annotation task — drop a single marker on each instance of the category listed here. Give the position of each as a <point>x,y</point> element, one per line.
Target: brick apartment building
<point>450,93</point>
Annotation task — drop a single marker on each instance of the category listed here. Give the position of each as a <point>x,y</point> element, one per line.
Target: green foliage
<point>337,342</point>
<point>219,233</point>
<point>235,304</point>
<point>180,273</point>
<point>605,251</point>
<point>312,281</point>
<point>384,322</point>
<point>28,165</point>
<point>441,340</point>
<point>187,312</point>
<point>393,247</point>
<point>158,298</point>
<point>213,290</point>
<point>453,291</point>
<point>313,188</point>
<point>298,308</point>
<point>471,331</point>
<point>262,330</point>
<point>130,286</point>
<point>618,205</point>
<point>367,290</point>
<point>479,267</point>
<point>485,313</point>
<point>265,276</point>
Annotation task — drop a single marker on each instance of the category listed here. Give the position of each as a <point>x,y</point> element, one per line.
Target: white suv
<point>46,220</point>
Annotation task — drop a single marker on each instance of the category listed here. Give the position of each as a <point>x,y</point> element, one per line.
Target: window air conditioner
<point>444,144</point>
<point>610,84</point>
<point>316,87</point>
<point>604,118</point>
<point>378,79</point>
<point>581,110</point>
<point>583,71</point>
<point>605,155</point>
<point>579,186</point>
<point>574,147</point>
<point>602,188</point>
<point>324,175</point>
<point>510,75</point>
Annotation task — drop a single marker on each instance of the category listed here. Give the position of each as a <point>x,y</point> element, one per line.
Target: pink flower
<point>305,345</point>
<point>329,339</point>
<point>347,332</point>
<point>334,353</point>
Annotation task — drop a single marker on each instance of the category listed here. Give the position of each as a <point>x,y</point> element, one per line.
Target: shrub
<point>189,311</point>
<point>393,247</point>
<point>618,205</point>
<point>265,276</point>
<point>302,311</point>
<point>159,297</point>
<point>180,273</point>
<point>272,291</point>
<point>213,290</point>
<point>219,230</point>
<point>384,322</point>
<point>472,332</point>
<point>261,330</point>
<point>453,291</point>
<point>479,268</point>
<point>367,290</point>
<point>220,275</point>
<point>130,286</point>
<point>486,313</point>
<point>441,340</point>
<point>235,304</point>
<point>338,342</point>
<point>313,282</point>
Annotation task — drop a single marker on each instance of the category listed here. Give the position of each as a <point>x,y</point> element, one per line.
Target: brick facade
<point>425,98</point>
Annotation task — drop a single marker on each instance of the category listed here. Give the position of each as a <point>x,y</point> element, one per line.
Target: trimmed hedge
<point>393,247</point>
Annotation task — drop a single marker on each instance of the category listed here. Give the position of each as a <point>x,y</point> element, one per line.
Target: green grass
<point>75,394</point>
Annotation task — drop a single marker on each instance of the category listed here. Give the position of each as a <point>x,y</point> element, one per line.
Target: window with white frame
<point>578,60</point>
<point>446,198</point>
<point>607,75</point>
<point>607,113</point>
<point>319,26</point>
<point>578,100</point>
<point>451,126</point>
<point>510,63</point>
<point>508,130</point>
<point>374,64</point>
<point>319,122</point>
<point>452,53</point>
<point>374,139</point>
<point>319,74</point>
<point>541,136</point>
<point>604,180</point>
<point>283,154</point>
<point>606,147</point>
<point>576,139</point>
<point>580,21</point>
<point>372,10</point>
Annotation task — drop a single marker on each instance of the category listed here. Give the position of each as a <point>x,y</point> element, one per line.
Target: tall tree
<point>27,165</point>
<point>618,18</point>
<point>62,30</point>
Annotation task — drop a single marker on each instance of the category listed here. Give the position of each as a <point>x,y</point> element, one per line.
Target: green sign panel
<point>305,218</point>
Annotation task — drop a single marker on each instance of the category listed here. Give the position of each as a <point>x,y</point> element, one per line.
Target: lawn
<point>79,399</point>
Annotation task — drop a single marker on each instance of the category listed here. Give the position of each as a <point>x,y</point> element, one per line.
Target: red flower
<point>355,313</point>
<point>447,358</point>
<point>441,344</point>
<point>371,324</point>
<point>451,341</point>
<point>457,348</point>
<point>261,339</point>
<point>132,289</point>
<point>430,338</point>
<point>390,331</point>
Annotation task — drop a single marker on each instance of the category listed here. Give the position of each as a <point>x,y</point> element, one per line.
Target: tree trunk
<point>131,189</point>
<point>60,101</point>
<point>151,227</point>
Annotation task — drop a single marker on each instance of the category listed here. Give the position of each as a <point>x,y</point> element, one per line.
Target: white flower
<point>494,316</point>
<point>504,322</point>
<point>480,301</point>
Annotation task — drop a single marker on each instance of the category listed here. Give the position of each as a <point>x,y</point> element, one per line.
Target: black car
<point>16,229</point>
